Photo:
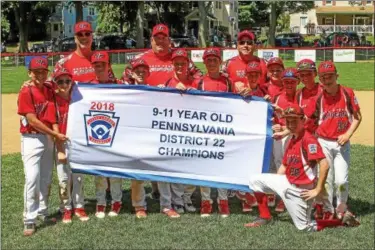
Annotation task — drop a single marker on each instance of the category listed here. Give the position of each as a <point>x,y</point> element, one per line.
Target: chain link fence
<point>124,56</point>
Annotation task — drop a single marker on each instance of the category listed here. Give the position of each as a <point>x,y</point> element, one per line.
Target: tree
<point>109,17</point>
<point>284,22</point>
<point>79,10</point>
<point>203,23</point>
<point>5,25</point>
<point>252,14</point>
<point>140,24</point>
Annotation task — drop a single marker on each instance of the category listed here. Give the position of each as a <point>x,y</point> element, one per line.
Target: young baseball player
<point>296,180</point>
<point>214,81</point>
<point>275,68</point>
<point>101,64</point>
<point>337,113</point>
<point>36,144</point>
<point>70,185</point>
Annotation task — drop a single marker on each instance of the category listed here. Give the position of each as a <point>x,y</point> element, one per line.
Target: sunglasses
<point>246,42</point>
<point>81,34</point>
<point>61,82</point>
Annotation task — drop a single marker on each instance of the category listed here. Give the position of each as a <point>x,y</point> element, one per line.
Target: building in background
<point>335,16</point>
<point>61,23</point>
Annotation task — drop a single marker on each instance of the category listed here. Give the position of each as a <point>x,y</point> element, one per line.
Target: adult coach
<point>236,66</point>
<point>159,59</point>
<point>78,63</point>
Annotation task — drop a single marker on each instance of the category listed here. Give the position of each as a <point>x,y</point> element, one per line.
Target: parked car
<point>48,45</point>
<point>182,41</point>
<point>289,40</point>
<point>342,39</point>
<point>38,48</point>
<point>68,44</point>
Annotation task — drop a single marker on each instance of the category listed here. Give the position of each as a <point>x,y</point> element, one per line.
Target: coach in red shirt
<point>159,58</point>
<point>236,66</point>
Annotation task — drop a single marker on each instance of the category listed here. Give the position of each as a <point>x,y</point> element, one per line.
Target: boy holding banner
<point>214,81</point>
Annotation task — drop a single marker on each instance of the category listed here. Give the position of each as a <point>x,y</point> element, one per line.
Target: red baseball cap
<point>306,64</point>
<point>82,26</point>
<point>327,67</point>
<point>138,62</point>
<point>60,72</point>
<point>253,67</point>
<point>290,73</point>
<point>38,62</point>
<point>212,52</point>
<point>245,33</point>
<point>275,61</point>
<point>100,56</point>
<point>160,29</point>
<point>180,53</point>
<point>293,110</point>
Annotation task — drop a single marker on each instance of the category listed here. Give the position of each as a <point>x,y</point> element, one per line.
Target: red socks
<point>262,201</point>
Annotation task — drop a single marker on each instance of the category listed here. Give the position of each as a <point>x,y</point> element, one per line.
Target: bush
<point>370,39</point>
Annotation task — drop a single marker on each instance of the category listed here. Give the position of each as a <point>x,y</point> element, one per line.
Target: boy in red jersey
<point>181,78</point>
<point>337,114</point>
<point>100,63</point>
<point>275,68</point>
<point>71,185</point>
<point>36,144</point>
<point>296,181</point>
<point>214,81</point>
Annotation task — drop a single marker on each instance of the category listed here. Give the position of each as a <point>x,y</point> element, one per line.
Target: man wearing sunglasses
<point>79,62</point>
<point>236,66</point>
<point>159,58</point>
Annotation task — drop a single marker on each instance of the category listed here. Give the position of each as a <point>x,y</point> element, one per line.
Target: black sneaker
<point>29,229</point>
<point>178,208</point>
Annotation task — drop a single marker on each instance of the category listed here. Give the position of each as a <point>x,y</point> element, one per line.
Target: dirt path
<point>11,138</point>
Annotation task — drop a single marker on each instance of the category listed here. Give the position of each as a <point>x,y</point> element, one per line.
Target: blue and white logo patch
<point>100,128</point>
<point>313,148</point>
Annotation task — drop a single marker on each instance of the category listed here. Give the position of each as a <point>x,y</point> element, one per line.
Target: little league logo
<point>100,128</point>
<point>267,55</point>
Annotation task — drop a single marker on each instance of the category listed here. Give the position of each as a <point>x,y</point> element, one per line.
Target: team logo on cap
<point>179,53</point>
<point>327,66</point>
<point>289,73</point>
<point>99,56</point>
<point>83,26</point>
<point>100,128</point>
<point>41,62</point>
<point>160,28</point>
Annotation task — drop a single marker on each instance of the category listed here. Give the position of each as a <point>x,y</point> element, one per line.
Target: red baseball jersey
<point>172,82</point>
<point>235,68</point>
<point>300,159</point>
<point>110,81</point>
<point>258,91</point>
<point>283,101</point>
<point>207,83</point>
<point>303,97</point>
<point>79,67</point>
<point>161,68</point>
<point>273,89</point>
<point>333,114</point>
<point>60,115</point>
<point>33,100</point>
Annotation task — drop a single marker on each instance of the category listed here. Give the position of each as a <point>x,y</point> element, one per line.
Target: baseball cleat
<point>170,213</point>
<point>115,209</point>
<point>140,213</point>
<point>29,229</point>
<point>247,197</point>
<point>67,217</point>
<point>206,208</point>
<point>246,207</point>
<point>81,214</point>
<point>280,208</point>
<point>224,208</point>
<point>258,222</point>
<point>189,207</point>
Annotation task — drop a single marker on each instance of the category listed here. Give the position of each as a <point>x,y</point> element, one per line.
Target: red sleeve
<point>354,100</point>
<point>194,71</point>
<point>25,104</point>
<point>313,149</point>
<point>195,83</point>
<point>263,77</point>
<point>50,114</point>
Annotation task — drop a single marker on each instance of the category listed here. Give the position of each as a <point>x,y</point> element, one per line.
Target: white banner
<point>304,54</point>
<point>197,55</point>
<point>266,54</point>
<point>147,133</point>
<point>229,53</point>
<point>344,55</point>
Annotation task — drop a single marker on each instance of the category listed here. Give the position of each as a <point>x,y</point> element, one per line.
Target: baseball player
<point>70,185</point>
<point>235,67</point>
<point>337,113</point>
<point>78,63</point>
<point>214,81</point>
<point>296,180</point>
<point>101,64</point>
<point>275,69</point>
<point>36,144</point>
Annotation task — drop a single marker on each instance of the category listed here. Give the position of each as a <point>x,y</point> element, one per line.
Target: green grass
<point>359,76</point>
<point>188,232</point>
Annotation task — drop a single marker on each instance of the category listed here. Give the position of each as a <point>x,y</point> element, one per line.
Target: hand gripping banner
<point>148,133</point>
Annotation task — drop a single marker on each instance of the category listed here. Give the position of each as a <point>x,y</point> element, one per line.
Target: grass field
<point>188,232</point>
<point>359,76</point>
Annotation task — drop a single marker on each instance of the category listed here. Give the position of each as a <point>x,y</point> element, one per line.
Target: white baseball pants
<point>299,209</point>
<point>278,150</point>
<point>101,186</point>
<point>37,156</point>
<point>338,158</point>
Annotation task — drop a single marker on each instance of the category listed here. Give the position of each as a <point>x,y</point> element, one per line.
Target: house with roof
<point>335,16</point>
